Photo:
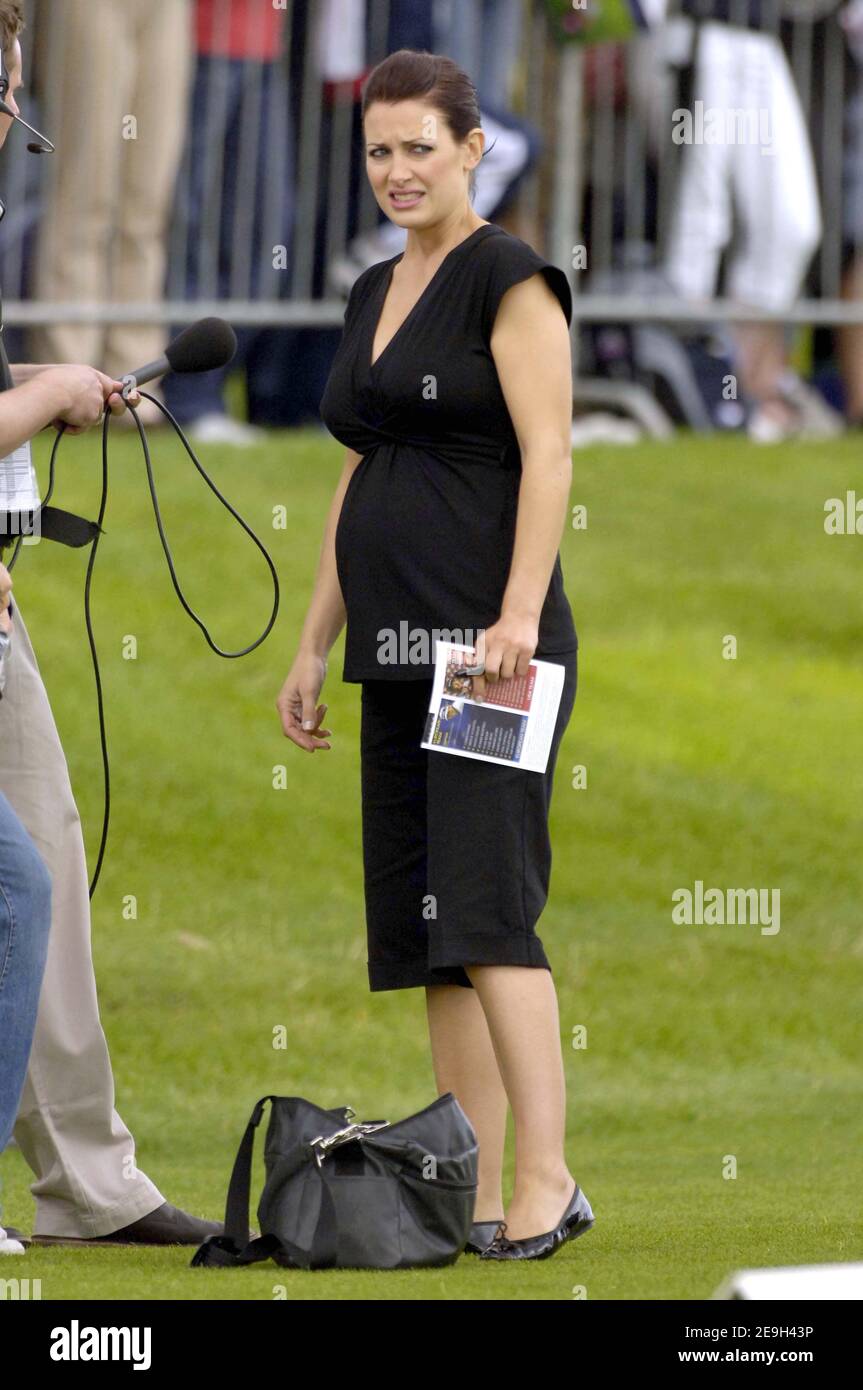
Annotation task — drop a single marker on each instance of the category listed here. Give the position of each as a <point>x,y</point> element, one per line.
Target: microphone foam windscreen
<point>202,347</point>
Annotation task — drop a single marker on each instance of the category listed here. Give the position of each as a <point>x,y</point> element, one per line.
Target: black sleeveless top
<point>427,525</point>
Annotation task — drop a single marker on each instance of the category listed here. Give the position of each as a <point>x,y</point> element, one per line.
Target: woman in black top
<point>452,391</point>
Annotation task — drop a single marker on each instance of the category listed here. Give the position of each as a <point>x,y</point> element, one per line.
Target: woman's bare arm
<point>532,352</point>
<point>301,717</point>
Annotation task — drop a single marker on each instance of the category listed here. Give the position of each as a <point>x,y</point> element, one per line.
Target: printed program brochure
<point>512,725</point>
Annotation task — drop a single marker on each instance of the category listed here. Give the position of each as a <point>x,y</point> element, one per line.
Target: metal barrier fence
<point>606,181</point>
<point>628,164</point>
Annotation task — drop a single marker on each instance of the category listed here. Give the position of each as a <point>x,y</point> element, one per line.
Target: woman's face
<point>417,170</point>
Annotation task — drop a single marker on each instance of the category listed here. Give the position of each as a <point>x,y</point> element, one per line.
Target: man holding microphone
<point>87,1189</point>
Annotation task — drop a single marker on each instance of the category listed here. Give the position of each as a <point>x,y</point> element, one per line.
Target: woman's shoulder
<point>364,285</point>
<point>503,248</point>
<point>505,260</point>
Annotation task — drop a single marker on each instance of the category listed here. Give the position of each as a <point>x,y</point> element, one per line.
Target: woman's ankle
<point>557,1179</point>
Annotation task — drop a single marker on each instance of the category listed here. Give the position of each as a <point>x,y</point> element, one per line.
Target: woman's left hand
<point>506,649</point>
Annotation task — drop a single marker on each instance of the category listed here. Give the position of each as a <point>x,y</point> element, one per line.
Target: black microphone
<point>202,347</point>
<point>45,146</point>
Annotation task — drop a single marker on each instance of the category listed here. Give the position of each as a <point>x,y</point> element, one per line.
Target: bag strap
<point>51,524</point>
<point>235,1248</point>
<point>237,1203</point>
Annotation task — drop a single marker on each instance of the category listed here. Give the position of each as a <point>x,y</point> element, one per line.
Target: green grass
<point>703,1041</point>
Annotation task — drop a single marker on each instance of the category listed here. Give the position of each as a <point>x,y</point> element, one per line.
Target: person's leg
<point>850,343</point>
<point>849,338</point>
<point>464,1062</point>
<point>148,172</point>
<point>776,196</point>
<point>458,34</point>
<point>762,354</point>
<point>90,53</point>
<point>520,1006</point>
<point>773,182</point>
<point>491,879</point>
<point>394,832</point>
<point>393,787</point>
<point>701,221</point>
<point>200,225</point>
<point>83,1155</point>
<point>25,921</point>
<point>502,23</point>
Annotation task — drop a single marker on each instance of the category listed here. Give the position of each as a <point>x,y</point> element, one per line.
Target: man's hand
<point>81,388</point>
<point>5,590</point>
<point>113,398</point>
<point>88,392</point>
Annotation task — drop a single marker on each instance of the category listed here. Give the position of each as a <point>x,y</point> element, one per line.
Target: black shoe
<point>482,1233</point>
<point>577,1219</point>
<point>166,1225</point>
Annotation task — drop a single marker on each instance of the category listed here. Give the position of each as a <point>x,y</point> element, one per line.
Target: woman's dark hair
<point>410,73</point>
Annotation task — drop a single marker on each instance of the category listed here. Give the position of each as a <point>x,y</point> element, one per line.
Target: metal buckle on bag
<point>322,1144</point>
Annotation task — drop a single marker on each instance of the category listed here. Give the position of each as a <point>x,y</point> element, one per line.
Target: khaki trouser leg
<point>90,64</point>
<point>148,174</point>
<point>104,230</point>
<point>67,1128</point>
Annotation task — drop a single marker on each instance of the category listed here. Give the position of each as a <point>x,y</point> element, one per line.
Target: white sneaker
<point>9,1246</point>
<point>601,427</point>
<point>216,428</point>
<point>765,428</point>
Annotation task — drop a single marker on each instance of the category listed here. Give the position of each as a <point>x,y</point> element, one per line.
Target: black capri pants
<point>456,852</point>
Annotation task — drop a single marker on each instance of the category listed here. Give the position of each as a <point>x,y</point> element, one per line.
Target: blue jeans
<point>237,171</point>
<point>25,920</point>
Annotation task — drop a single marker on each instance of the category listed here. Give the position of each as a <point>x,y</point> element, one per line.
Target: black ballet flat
<point>482,1233</point>
<point>577,1219</point>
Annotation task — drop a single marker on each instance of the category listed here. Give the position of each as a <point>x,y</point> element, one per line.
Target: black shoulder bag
<point>343,1194</point>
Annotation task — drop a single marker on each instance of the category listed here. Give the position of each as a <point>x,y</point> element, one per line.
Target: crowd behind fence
<point>705,168</point>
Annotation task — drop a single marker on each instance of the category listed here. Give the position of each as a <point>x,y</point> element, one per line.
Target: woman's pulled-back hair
<point>410,74</point>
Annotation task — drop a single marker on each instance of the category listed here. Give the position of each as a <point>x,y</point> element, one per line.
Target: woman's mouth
<point>405,200</point>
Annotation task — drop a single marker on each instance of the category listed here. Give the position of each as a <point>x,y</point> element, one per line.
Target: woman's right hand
<point>296,702</point>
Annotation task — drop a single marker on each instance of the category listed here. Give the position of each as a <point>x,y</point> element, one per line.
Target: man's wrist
<point>25,371</point>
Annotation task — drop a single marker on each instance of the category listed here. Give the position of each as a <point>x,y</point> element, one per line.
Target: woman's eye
<point>424,149</point>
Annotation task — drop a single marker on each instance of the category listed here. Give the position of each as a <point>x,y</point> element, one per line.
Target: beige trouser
<point>67,1129</point>
<point>103,233</point>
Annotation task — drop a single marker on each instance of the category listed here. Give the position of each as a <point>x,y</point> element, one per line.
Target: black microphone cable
<point>103,502</point>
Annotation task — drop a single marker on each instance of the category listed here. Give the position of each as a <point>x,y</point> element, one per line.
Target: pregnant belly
<point>427,526</point>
